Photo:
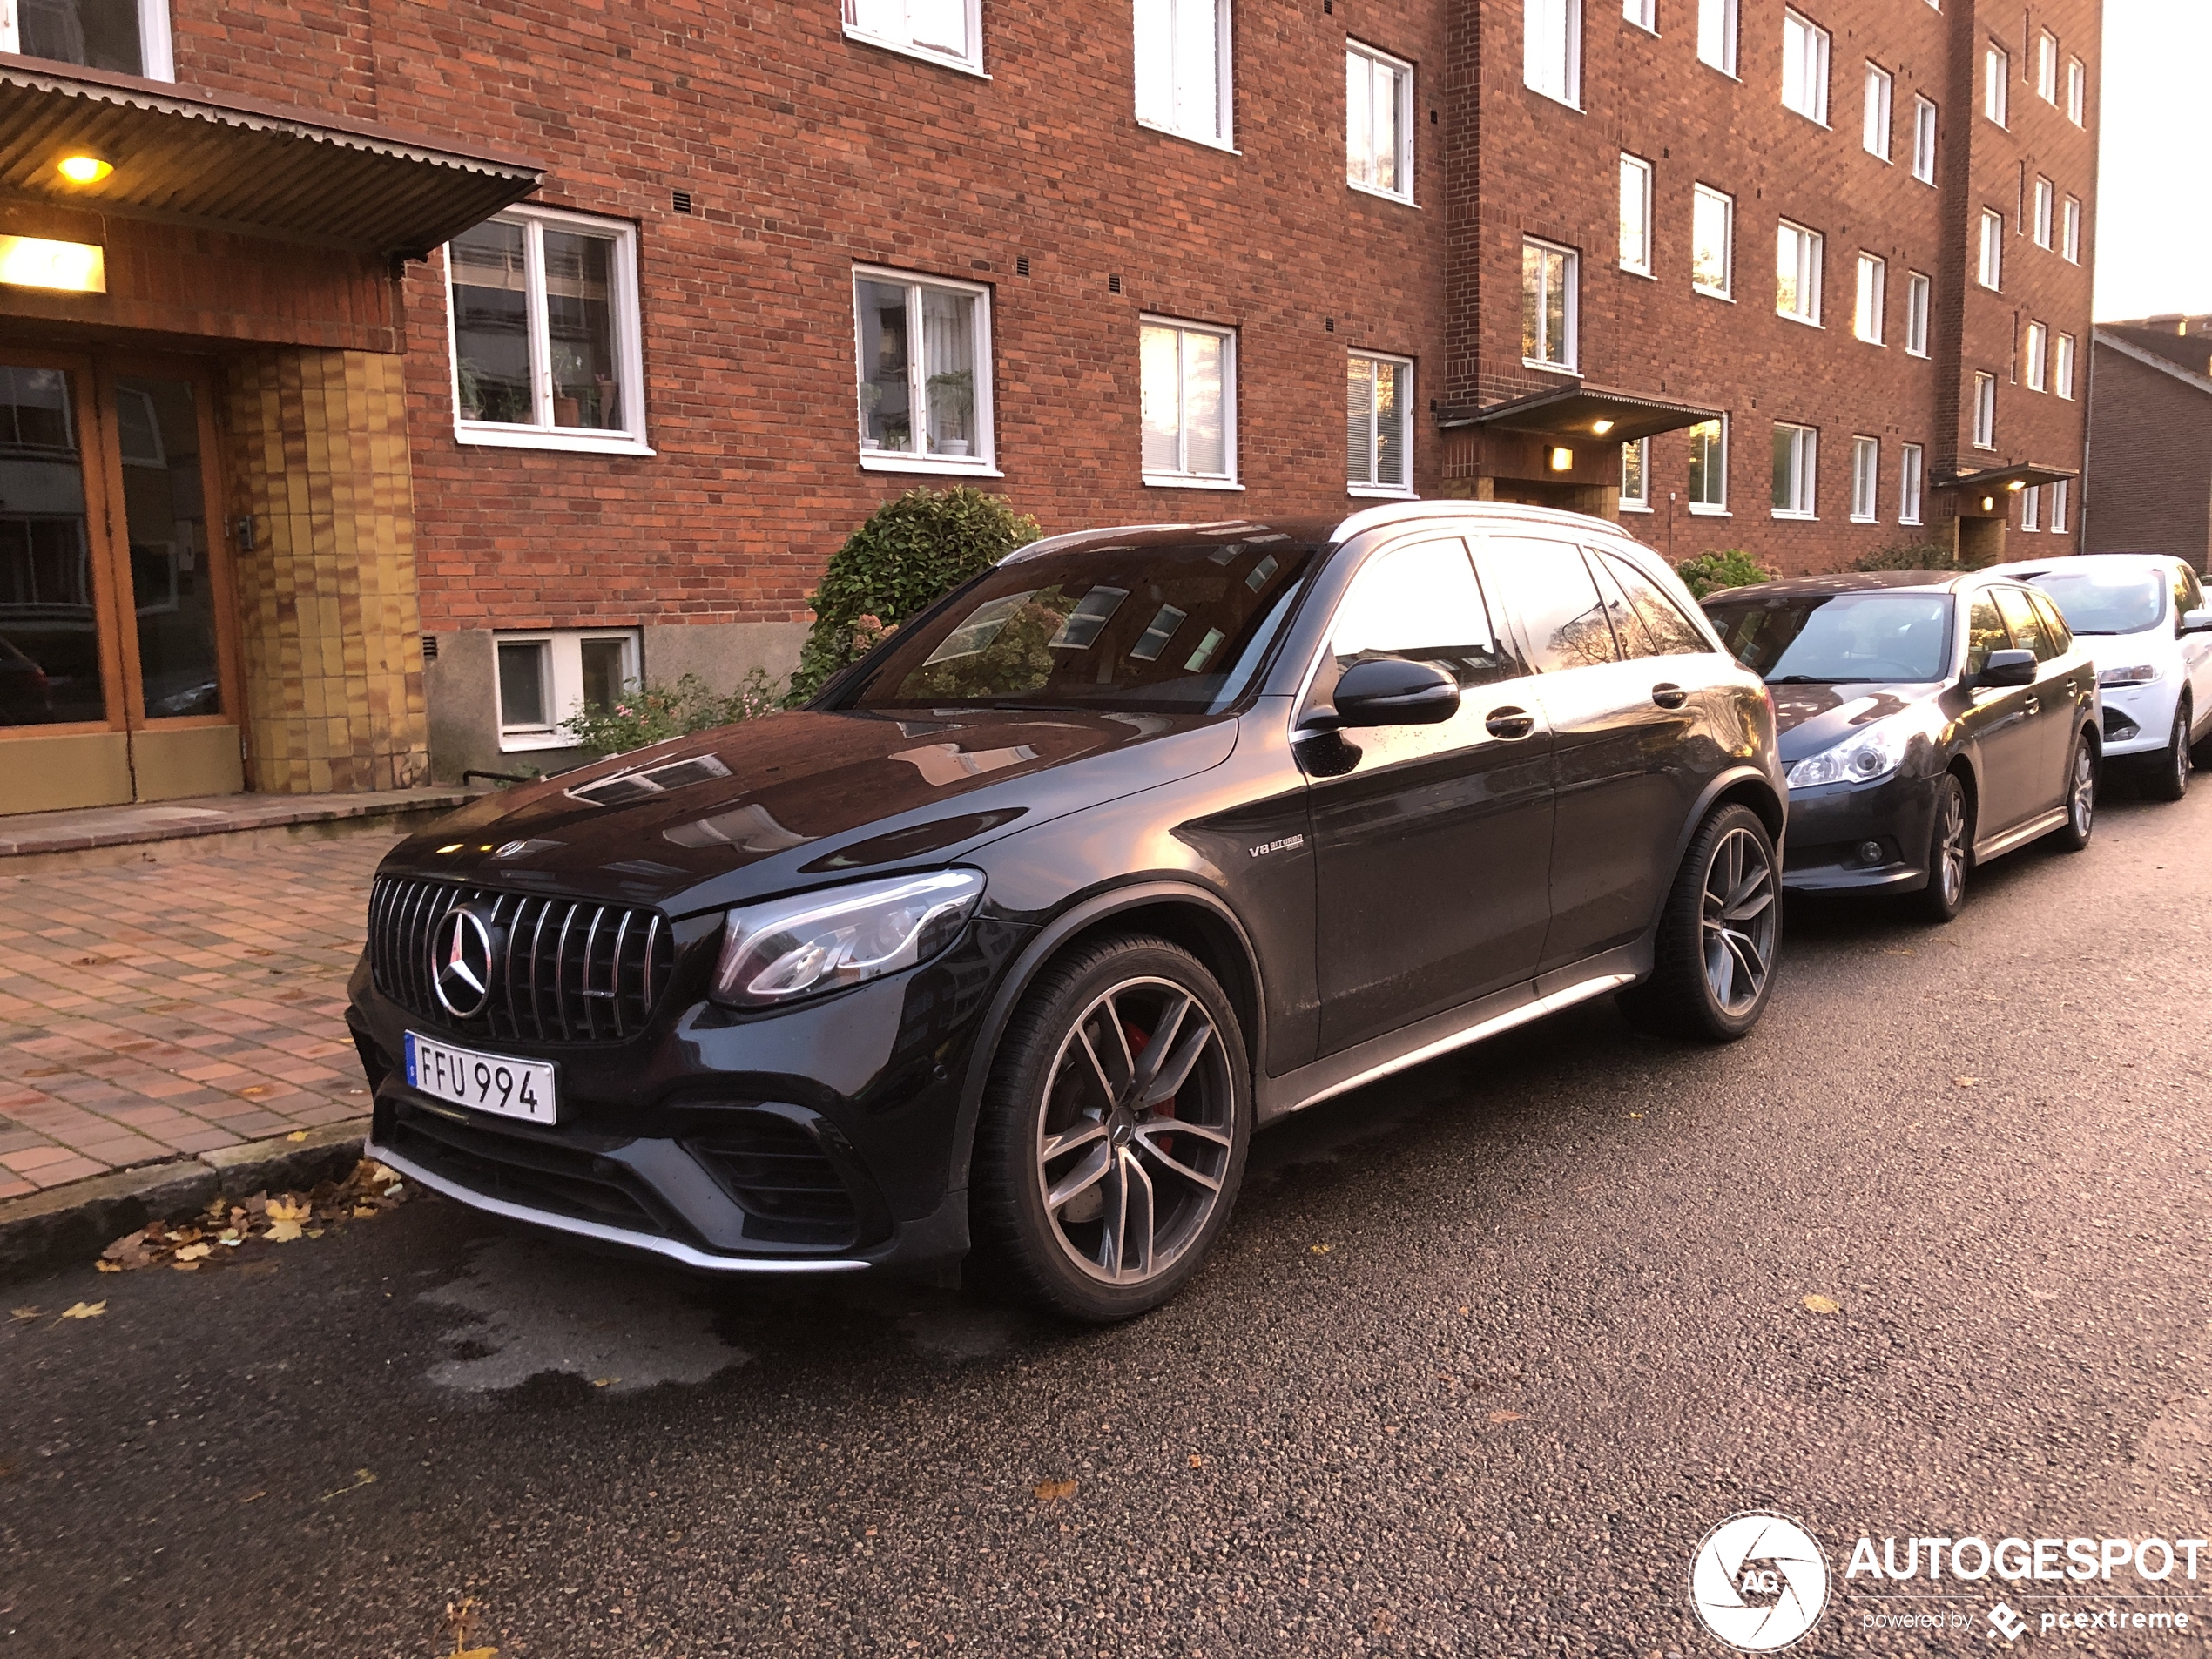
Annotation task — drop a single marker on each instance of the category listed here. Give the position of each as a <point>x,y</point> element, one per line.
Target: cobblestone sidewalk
<point>152,1009</point>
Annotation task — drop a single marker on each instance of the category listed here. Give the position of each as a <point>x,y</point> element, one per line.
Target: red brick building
<point>760,269</point>
<point>2150,465</point>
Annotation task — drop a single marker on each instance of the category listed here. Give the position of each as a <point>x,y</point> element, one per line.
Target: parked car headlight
<point>1871,753</point>
<point>2134,674</point>
<point>819,941</point>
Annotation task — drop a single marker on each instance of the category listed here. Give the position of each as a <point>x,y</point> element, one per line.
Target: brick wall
<point>2150,479</point>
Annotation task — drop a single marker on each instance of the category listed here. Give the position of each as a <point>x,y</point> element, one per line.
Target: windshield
<point>1157,629</point>
<point>2106,601</point>
<point>1831,637</point>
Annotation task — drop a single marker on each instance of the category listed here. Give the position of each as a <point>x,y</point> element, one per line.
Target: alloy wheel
<point>1951,846</point>
<point>2180,746</point>
<point>2081,800</point>
<point>1739,921</point>
<point>1134,1131</point>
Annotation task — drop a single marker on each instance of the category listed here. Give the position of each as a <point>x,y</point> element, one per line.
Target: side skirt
<point>1998,846</point>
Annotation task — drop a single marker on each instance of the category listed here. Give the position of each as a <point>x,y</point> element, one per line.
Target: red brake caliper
<point>1137,1040</point>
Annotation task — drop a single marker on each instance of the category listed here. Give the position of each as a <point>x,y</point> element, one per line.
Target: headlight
<point>816,941</point>
<point>1874,752</point>
<point>2135,674</point>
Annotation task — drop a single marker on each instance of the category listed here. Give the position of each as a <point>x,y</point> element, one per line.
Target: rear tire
<point>1713,961</point>
<point>1951,845</point>
<point>2169,776</point>
<point>2080,795</point>
<point>1106,1164</point>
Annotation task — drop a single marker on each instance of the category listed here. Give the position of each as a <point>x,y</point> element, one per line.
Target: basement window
<point>545,678</point>
<point>126,36</point>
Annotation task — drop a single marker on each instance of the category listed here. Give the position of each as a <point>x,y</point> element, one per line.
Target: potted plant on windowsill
<point>469,377</point>
<point>871,400</point>
<point>951,404</point>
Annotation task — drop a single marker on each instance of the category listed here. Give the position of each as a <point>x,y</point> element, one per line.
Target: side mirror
<point>2008,668</point>
<point>2196,621</point>
<point>1391,690</point>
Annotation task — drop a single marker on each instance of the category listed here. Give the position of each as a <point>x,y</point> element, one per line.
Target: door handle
<point>2032,706</point>
<point>1667,695</point>
<point>1510,723</point>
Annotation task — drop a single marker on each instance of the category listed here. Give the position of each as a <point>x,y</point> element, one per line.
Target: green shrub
<point>1915,556</point>
<point>654,713</point>
<point>1712,571</point>
<point>910,553</point>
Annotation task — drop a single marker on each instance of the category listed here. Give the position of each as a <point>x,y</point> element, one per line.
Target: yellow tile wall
<point>332,637</point>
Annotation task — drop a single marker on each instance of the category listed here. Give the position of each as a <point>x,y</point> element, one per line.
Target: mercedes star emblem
<point>461,964</point>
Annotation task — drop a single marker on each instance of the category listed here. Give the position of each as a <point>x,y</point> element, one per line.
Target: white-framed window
<point>1717,34</point>
<point>1644,14</point>
<point>2044,199</point>
<point>1378,424</point>
<point>1547,304</point>
<point>1708,466</point>
<point>1635,214</point>
<point>943,32</point>
<point>2070,230</point>
<point>1636,476</point>
<point>2047,66</point>
<point>1797,272</point>
<point>1870,306</point>
<point>2032,507</point>
<point>2062,366</point>
<point>1183,80</point>
<point>2060,491</point>
<point>1991,270</point>
<point>1796,450</point>
<point>923,348</point>
<point>1188,382</point>
<point>543,313</point>
<point>1712,242</point>
<point>1378,123</point>
<point>1804,67</point>
<point>1551,49</point>
<point>2039,356</point>
<point>1912,462</point>
<point>1996,81</point>
<point>543,679</point>
<point>2077,92</point>
<point>126,37</point>
<point>1984,410</point>
<point>1923,139</point>
<point>1874,119</point>
<point>1865,479</point>
<point>1917,290</point>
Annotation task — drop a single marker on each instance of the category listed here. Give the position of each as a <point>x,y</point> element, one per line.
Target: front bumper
<point>818,1139</point>
<point>2138,720</point>
<point>1831,826</point>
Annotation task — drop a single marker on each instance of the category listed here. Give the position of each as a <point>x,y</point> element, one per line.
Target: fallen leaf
<point>195,1252</point>
<point>26,1313</point>
<point>361,1478</point>
<point>108,1267</point>
<point>1636,1114</point>
<point>283,1233</point>
<point>186,1267</point>
<point>1320,1249</point>
<point>297,1135</point>
<point>604,1382</point>
<point>1505,1417</point>
<point>289,1209</point>
<point>250,1496</point>
<point>1052,1491</point>
<point>1197,1463</point>
<point>1965,1083</point>
<point>1820,1304</point>
<point>85,1310</point>
<point>476,1653</point>
<point>259,1091</point>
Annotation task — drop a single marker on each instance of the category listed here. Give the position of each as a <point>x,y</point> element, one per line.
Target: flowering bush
<point>1710,571</point>
<point>647,714</point>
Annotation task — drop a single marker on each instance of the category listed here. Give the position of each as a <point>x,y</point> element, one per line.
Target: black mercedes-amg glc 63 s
<point>1135,843</point>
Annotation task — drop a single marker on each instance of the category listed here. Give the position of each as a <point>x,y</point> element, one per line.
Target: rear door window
<point>2027,627</point>
<point>1419,600</point>
<point>1546,589</point>
<point>2055,628</point>
<point>1627,632</point>
<point>1672,633</point>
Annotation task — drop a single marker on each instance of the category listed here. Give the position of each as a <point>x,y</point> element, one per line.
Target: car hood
<point>1811,717</point>
<point>800,799</point>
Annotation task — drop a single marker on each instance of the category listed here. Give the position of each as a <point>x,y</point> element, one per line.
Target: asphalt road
<point>1489,1348</point>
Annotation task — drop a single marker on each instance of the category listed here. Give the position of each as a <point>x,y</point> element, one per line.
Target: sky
<point>2154,240</point>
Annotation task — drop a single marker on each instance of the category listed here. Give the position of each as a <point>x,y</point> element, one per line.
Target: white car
<point>2145,618</point>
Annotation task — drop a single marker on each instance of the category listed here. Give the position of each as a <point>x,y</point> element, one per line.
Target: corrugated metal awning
<point>1581,410</point>
<point>234,164</point>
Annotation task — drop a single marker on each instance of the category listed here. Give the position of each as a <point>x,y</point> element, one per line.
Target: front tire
<point>2080,795</point>
<point>1713,961</point>
<point>1114,1130</point>
<point>2168,777</point>
<point>1950,852</point>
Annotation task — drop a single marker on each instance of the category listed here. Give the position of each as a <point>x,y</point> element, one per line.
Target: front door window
<point>51,666</point>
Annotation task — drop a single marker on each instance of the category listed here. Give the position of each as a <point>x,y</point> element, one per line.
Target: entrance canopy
<point>1584,412</point>
<point>236,164</point>
<point>1993,480</point>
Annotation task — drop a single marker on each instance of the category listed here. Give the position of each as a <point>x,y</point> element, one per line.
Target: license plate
<point>484,1083</point>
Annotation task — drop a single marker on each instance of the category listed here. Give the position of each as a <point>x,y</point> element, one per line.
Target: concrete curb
<point>74,1223</point>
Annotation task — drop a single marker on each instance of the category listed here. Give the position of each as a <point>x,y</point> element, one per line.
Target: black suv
<point>1137,842</point>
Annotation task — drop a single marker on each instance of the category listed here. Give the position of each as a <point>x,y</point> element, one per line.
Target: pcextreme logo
<point>1758,1582</point>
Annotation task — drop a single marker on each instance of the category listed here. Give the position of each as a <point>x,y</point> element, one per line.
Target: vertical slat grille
<point>574,971</point>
